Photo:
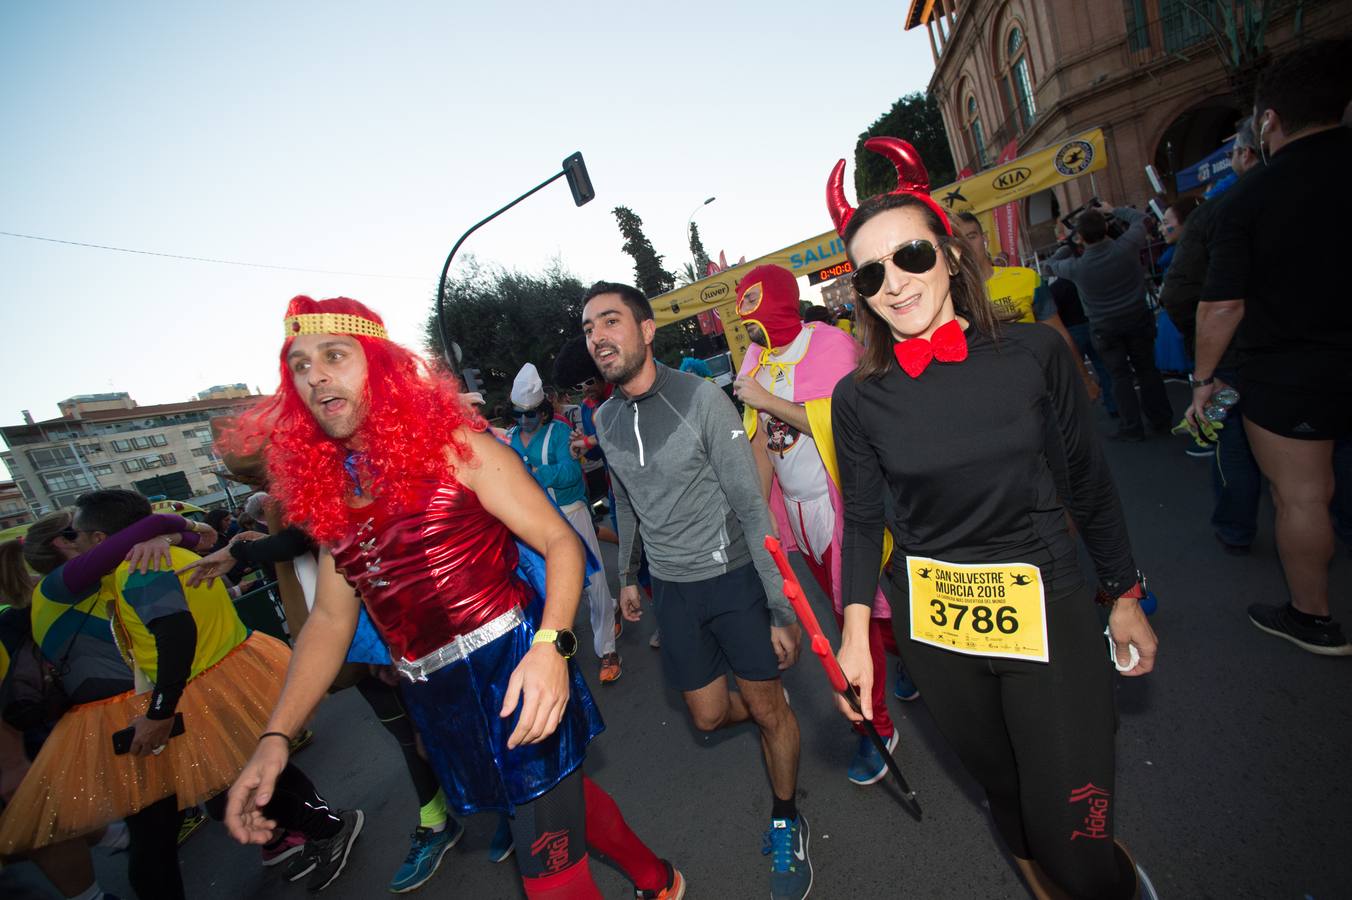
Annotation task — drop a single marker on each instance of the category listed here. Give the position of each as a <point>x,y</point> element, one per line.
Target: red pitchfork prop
<point>822,647</point>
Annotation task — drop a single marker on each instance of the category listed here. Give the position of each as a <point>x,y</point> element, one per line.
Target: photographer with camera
<point>1111,283</point>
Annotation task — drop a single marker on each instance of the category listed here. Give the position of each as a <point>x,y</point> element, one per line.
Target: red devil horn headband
<point>912,179</point>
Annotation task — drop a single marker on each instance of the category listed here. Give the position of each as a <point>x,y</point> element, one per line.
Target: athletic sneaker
<point>905,689</point>
<point>1323,636</point>
<point>424,856</point>
<point>502,845</point>
<point>674,890</point>
<point>790,866</point>
<point>193,819</point>
<point>868,766</point>
<point>282,847</point>
<point>297,867</point>
<point>610,668</point>
<point>330,856</point>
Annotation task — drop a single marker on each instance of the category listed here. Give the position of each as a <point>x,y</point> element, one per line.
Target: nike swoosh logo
<point>799,854</point>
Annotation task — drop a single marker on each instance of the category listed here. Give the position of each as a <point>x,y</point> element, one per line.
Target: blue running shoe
<point>424,856</point>
<point>868,765</point>
<point>500,850</point>
<point>906,689</point>
<point>790,866</point>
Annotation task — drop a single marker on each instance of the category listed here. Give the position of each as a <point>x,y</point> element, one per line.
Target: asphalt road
<point>1233,774</point>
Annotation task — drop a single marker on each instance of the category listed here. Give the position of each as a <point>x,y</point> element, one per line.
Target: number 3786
<point>983,619</point>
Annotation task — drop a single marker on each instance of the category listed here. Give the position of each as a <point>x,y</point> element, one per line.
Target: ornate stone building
<point>1152,73</point>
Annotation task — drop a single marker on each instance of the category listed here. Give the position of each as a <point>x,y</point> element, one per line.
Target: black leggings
<point>389,709</point>
<point>152,851</point>
<point>1039,738</point>
<point>551,831</point>
<point>295,806</point>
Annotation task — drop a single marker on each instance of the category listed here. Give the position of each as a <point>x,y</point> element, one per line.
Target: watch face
<point>566,642</point>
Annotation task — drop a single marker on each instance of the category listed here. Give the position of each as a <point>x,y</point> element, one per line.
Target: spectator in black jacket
<point>1235,479</point>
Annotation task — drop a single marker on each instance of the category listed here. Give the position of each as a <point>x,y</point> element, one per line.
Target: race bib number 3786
<point>981,610</point>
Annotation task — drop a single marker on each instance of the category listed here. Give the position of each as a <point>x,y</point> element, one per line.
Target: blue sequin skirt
<point>456,712</point>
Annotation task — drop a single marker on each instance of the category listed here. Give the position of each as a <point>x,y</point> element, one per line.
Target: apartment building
<point>108,441</point>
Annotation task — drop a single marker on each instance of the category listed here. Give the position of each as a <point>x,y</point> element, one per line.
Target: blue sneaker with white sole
<point>905,689</point>
<point>786,843</point>
<point>424,856</point>
<point>868,765</point>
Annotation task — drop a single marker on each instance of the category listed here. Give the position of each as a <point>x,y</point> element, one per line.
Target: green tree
<point>679,338</point>
<point>503,319</point>
<point>915,118</point>
<point>649,276</point>
<point>697,251</point>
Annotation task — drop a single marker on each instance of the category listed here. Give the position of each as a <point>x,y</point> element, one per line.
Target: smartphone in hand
<point>122,739</point>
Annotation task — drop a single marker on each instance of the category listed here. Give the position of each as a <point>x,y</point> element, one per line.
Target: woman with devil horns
<point>980,432</point>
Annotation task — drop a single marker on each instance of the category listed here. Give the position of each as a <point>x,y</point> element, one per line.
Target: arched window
<point>974,130</point>
<point>1017,82</point>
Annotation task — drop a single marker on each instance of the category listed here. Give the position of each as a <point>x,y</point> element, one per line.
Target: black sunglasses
<point>524,414</point>
<point>917,257</point>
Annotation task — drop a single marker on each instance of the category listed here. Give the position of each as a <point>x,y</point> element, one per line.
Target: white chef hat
<point>528,391</point>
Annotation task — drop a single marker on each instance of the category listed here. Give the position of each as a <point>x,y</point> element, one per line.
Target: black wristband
<point>1200,382</point>
<point>280,734</point>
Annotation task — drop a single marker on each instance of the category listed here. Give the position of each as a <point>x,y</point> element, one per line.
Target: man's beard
<point>629,366</point>
<point>343,427</point>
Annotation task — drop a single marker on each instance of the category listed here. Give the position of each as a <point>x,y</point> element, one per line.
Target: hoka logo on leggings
<point>1095,823</point>
<point>554,845</point>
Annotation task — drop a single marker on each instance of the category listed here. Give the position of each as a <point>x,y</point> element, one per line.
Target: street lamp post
<point>575,170</point>
<point>690,222</point>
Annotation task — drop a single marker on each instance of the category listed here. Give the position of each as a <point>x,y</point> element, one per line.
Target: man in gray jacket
<point>685,479</point>
<point>1112,288</point>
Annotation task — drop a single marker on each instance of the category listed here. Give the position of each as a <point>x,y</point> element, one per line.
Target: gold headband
<point>332,323</point>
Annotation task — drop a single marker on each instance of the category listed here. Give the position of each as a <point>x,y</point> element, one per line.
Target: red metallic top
<point>432,574</point>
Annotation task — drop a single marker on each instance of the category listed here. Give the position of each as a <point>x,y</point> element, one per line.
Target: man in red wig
<point>786,381</point>
<point>418,510</point>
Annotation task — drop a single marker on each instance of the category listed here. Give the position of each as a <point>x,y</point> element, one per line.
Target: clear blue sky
<point>366,137</point>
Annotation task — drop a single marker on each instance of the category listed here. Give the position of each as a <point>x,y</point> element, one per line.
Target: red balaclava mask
<point>768,296</point>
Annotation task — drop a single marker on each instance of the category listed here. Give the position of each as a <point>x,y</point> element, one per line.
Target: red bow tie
<point>947,344</point>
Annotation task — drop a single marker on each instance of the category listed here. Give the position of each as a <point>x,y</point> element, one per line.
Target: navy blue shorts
<point>714,626</point>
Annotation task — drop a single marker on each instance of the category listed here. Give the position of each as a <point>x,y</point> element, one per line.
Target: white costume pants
<point>598,589</point>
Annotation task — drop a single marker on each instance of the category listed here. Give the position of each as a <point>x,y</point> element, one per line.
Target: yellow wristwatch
<point>563,640</point>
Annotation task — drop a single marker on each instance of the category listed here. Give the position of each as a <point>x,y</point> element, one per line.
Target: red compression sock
<point>609,835</point>
<point>573,883</point>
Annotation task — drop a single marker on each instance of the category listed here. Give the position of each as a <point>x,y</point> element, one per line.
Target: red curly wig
<point>413,412</point>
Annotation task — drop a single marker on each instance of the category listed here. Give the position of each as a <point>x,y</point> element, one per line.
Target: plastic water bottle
<point>1220,404</point>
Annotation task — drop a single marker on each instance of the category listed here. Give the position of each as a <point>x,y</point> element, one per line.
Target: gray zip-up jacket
<point>684,477</point>
<point>1109,275</point>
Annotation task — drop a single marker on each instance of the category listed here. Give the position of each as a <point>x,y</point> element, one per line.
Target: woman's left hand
<point>1129,627</point>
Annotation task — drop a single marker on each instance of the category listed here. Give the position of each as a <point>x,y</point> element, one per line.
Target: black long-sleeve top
<point>283,546</point>
<point>982,459</point>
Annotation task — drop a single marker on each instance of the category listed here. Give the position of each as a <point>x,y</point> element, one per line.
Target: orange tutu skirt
<point>77,784</point>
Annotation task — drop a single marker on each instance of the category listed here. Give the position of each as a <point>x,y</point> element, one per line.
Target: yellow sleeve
<point>749,421</point>
<point>819,417</point>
